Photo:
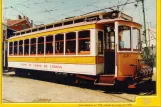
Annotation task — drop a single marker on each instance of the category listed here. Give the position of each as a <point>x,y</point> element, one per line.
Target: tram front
<point>131,66</point>
<point>122,55</point>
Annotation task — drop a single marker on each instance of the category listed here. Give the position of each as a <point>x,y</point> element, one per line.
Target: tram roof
<point>99,17</point>
<point>65,20</point>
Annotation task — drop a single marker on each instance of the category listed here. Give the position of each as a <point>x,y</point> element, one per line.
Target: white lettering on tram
<point>88,69</point>
<point>40,65</point>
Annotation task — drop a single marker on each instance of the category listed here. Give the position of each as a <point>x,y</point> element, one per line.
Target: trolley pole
<point>144,32</point>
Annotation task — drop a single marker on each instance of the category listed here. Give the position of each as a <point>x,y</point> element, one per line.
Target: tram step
<point>105,80</point>
<point>104,84</point>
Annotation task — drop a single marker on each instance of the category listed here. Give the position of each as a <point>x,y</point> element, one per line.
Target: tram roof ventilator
<point>78,19</point>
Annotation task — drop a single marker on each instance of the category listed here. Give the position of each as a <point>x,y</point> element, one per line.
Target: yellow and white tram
<point>102,47</point>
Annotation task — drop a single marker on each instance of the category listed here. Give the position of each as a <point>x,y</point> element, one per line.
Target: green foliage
<point>148,57</point>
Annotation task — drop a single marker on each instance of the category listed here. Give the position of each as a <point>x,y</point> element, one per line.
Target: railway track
<point>110,92</point>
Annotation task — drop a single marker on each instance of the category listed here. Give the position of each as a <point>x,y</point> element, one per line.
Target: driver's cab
<point>122,46</point>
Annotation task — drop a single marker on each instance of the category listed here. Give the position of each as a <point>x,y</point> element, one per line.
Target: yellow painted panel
<point>62,60</point>
<point>124,61</point>
<point>90,26</point>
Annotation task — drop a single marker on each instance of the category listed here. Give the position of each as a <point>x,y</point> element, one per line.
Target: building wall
<point>20,26</point>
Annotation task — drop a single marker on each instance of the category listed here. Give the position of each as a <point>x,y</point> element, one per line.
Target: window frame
<point>19,48</point>
<point>67,40</point>
<point>124,49</point>
<point>58,53</point>
<point>40,54</point>
<point>89,38</point>
<point>50,42</point>
<point>28,47</point>
<point>31,44</point>
<point>12,49</point>
<point>102,42</point>
<point>15,47</point>
<point>139,39</point>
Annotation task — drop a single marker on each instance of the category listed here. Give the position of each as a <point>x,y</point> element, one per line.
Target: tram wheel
<point>70,79</point>
<point>21,72</point>
<point>120,86</point>
<point>34,74</point>
<point>17,73</point>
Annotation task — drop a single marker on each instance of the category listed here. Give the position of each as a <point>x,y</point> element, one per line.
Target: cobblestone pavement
<point>27,89</point>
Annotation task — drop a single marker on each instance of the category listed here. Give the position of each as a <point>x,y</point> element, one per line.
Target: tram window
<point>17,33</point>
<point>79,20</point>
<point>10,48</point>
<point>15,48</point>
<point>49,26</point>
<point>68,22</point>
<point>49,45</point>
<point>59,44</point>
<point>71,43</point>
<point>21,47</point>
<point>33,46</point>
<point>28,31</point>
<point>26,47</point>
<point>41,28</point>
<point>22,33</point>
<point>92,18</point>
<point>58,24</point>
<point>124,38</point>
<point>84,42</point>
<point>136,39</point>
<point>40,46</point>
<point>100,42</point>
<point>34,30</point>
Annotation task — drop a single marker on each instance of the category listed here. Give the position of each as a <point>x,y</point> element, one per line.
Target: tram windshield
<point>136,39</point>
<point>124,38</point>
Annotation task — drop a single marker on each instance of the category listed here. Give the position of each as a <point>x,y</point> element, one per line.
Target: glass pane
<point>41,48</point>
<point>84,45</point>
<point>49,38</point>
<point>33,46</point>
<point>26,47</point>
<point>10,47</point>
<point>15,48</point>
<point>20,50</point>
<point>49,48</point>
<point>124,38</point>
<point>136,39</point>
<point>49,44</point>
<point>33,49</point>
<point>20,47</point>
<point>71,42</point>
<point>59,44</point>
<point>59,47</point>
<point>70,46</point>
<point>100,42</point>
<point>40,45</point>
<point>84,42</point>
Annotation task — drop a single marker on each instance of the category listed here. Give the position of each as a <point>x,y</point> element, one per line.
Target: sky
<point>48,11</point>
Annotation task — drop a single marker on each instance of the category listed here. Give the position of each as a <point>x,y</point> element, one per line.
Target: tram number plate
<point>125,55</point>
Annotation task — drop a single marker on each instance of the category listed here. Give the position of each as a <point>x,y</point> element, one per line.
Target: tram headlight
<point>114,15</point>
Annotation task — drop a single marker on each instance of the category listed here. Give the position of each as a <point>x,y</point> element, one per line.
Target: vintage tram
<point>103,47</point>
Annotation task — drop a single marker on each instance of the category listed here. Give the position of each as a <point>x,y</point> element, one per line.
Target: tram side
<point>68,51</point>
<point>103,52</point>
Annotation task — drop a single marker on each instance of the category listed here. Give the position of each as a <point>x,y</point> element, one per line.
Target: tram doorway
<point>109,49</point>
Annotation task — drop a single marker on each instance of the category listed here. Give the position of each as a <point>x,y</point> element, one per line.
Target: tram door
<point>109,49</point>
